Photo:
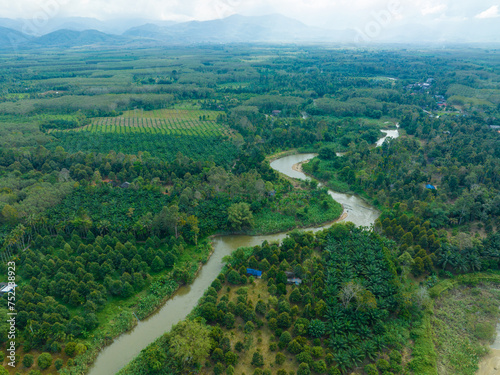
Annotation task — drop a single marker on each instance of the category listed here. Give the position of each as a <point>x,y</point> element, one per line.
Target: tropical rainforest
<point>119,168</point>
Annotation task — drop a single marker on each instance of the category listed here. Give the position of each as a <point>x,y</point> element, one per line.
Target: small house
<point>294,280</point>
<point>429,186</point>
<point>291,278</point>
<point>125,185</point>
<point>255,273</point>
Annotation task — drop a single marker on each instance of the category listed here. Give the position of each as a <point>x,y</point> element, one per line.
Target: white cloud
<point>491,12</point>
<point>433,9</point>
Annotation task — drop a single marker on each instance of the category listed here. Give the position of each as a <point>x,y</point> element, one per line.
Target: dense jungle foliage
<point>116,167</point>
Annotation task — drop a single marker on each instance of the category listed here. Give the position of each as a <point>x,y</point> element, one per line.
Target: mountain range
<point>74,32</point>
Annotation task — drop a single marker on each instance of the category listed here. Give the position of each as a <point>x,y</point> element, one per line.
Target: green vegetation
<point>349,309</point>
<point>114,175</point>
<point>464,325</point>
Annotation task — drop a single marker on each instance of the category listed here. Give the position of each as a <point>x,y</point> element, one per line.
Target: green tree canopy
<point>190,341</point>
<point>240,215</point>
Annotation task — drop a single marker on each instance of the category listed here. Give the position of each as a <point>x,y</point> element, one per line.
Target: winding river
<point>127,346</point>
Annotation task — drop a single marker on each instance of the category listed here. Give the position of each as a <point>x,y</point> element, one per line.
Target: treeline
<point>271,134</point>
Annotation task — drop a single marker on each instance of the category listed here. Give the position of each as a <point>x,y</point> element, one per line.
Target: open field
<point>161,121</point>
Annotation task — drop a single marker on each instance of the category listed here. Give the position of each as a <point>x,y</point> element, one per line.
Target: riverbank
<point>298,167</point>
<point>125,317</point>
<point>490,364</point>
<point>177,308</point>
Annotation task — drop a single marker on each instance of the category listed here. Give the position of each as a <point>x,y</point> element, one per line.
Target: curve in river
<point>127,346</point>
<point>388,134</point>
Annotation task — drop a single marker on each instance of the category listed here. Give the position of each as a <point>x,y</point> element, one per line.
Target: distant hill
<point>238,29</point>
<point>274,28</point>
<point>72,38</point>
<point>11,39</point>
<point>113,26</point>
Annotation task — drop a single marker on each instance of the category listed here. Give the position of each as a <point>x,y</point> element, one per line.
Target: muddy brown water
<point>128,345</point>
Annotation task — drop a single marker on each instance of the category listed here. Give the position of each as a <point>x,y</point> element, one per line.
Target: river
<point>127,346</point>
<point>388,134</point>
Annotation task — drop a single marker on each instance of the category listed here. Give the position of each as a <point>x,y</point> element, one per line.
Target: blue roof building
<point>429,186</point>
<point>253,272</point>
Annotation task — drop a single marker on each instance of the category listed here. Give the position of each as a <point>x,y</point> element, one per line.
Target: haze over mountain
<point>274,28</point>
<point>240,29</point>
<point>112,26</point>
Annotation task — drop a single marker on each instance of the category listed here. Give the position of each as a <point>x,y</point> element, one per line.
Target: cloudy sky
<point>335,14</point>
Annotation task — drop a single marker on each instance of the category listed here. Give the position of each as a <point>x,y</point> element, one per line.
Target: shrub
<point>70,349</point>
<point>319,366</point>
<point>303,369</point>
<point>28,360</point>
<point>395,357</point>
<point>281,372</point>
<point>273,324</point>
<point>216,284</point>
<point>383,365</point>
<point>329,358</point>
<point>58,363</point>
<point>217,355</point>
<point>317,351</point>
<point>257,359</point>
<point>273,346</point>
<point>231,358</point>
<point>218,368</point>
<point>233,277</point>
<point>280,358</point>
<point>397,369</point>
<point>284,320</point>
<point>229,320</point>
<point>294,347</point>
<point>260,307</point>
<point>80,349</point>
<point>44,360</point>
<point>285,339</point>
<point>305,357</point>
<point>295,296</point>
<point>55,347</point>
<point>257,371</point>
<point>249,327</point>
<point>239,346</point>
<point>371,370</point>
<point>334,371</point>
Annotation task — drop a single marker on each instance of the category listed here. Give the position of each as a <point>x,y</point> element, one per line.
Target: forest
<point>120,168</point>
